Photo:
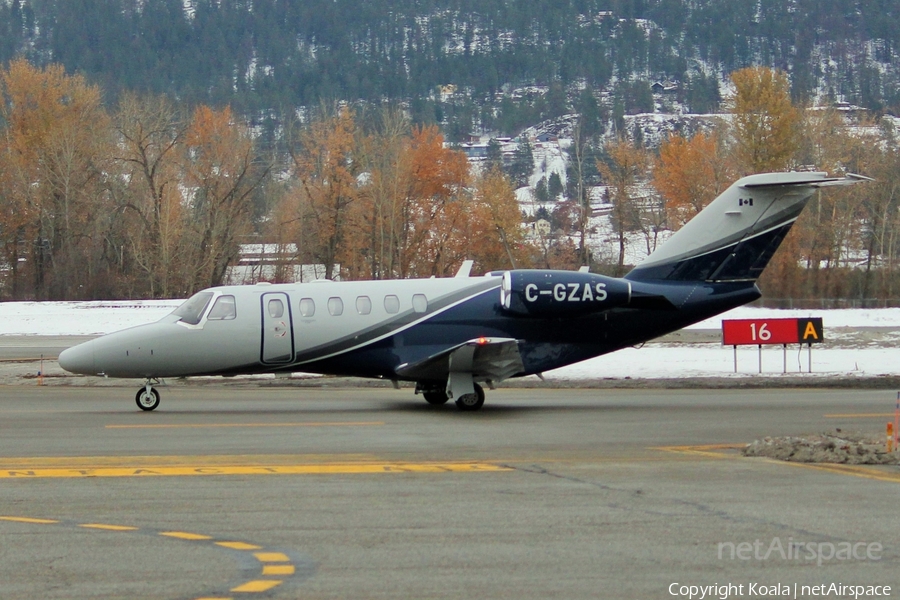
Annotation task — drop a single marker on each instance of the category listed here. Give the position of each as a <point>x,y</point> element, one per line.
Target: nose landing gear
<point>147,397</point>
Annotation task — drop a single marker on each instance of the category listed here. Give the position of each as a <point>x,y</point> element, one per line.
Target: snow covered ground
<point>80,318</point>
<point>848,349</point>
<point>670,361</point>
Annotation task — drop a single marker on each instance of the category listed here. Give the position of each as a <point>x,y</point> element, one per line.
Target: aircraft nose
<point>79,359</point>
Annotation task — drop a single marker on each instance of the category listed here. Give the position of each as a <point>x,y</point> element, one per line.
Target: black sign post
<point>809,332</point>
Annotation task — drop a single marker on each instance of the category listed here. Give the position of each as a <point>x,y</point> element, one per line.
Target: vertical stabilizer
<point>734,237</point>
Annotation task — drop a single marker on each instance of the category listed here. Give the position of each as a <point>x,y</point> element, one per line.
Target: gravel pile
<point>849,449</point>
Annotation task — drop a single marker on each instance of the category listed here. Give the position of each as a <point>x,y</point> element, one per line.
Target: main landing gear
<point>147,397</point>
<point>437,396</point>
<point>471,401</point>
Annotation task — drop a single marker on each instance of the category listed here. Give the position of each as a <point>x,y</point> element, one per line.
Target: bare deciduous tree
<point>149,137</point>
<point>221,174</point>
<point>627,164</point>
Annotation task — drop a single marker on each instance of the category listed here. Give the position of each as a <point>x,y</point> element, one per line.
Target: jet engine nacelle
<point>539,293</point>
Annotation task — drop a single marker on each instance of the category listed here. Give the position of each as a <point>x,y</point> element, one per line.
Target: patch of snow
<point>832,318</point>
<point>549,158</point>
<point>670,361</point>
<point>80,318</point>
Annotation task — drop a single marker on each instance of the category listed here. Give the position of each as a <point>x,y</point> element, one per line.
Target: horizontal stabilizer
<point>493,359</point>
<point>815,182</point>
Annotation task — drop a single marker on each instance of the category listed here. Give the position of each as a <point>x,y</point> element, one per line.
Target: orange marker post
<point>890,437</point>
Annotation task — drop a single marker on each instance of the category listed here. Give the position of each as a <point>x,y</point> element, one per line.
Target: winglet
<point>465,268</point>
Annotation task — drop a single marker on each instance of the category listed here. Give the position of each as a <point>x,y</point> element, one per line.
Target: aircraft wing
<point>493,359</point>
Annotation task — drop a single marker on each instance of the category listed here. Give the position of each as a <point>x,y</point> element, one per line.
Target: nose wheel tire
<point>147,399</point>
<point>470,402</point>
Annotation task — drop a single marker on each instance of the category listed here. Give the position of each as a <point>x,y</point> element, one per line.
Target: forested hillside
<point>266,56</point>
<point>143,142</point>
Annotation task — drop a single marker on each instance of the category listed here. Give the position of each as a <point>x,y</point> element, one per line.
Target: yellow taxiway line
<point>274,566</point>
<point>860,416</point>
<point>716,451</point>
<point>707,451</point>
<point>867,472</point>
<point>180,466</point>
<point>30,520</point>
<point>205,460</point>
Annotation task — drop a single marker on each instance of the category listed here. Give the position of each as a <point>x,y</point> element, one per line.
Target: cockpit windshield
<point>192,310</point>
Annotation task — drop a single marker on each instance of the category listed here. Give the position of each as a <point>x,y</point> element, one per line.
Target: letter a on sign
<point>810,331</point>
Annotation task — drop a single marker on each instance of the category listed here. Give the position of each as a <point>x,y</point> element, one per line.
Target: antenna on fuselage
<point>465,268</point>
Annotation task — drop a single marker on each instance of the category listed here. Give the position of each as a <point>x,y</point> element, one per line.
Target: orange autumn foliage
<point>690,173</point>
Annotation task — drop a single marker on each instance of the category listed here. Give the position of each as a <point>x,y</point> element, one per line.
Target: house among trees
<point>274,263</point>
<point>541,227</point>
<point>667,86</point>
<point>475,152</point>
<point>849,110</point>
<point>446,92</point>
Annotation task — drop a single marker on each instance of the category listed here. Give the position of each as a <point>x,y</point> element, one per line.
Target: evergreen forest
<point>267,57</point>
<point>145,142</point>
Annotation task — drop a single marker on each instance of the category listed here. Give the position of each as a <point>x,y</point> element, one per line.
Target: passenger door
<point>277,330</point>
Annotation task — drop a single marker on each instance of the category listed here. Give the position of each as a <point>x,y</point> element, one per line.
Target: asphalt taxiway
<point>239,491</point>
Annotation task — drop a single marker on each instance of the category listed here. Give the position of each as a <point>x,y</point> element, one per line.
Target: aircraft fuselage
<point>370,328</point>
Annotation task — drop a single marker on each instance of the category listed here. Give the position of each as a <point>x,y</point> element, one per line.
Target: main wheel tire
<point>470,402</point>
<point>435,397</point>
<point>147,401</point>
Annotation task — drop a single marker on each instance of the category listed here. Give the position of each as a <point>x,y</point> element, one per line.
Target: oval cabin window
<point>307,307</point>
<point>420,303</point>
<point>392,304</point>
<point>276,308</point>
<point>363,305</point>
<point>335,306</point>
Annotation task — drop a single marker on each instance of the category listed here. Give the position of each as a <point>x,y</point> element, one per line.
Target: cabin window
<point>420,303</point>
<point>392,304</point>
<point>223,309</point>
<point>276,308</point>
<point>192,310</point>
<point>363,305</point>
<point>307,307</point>
<point>335,306</point>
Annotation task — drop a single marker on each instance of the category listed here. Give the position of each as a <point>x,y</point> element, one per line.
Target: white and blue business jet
<point>451,335</point>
